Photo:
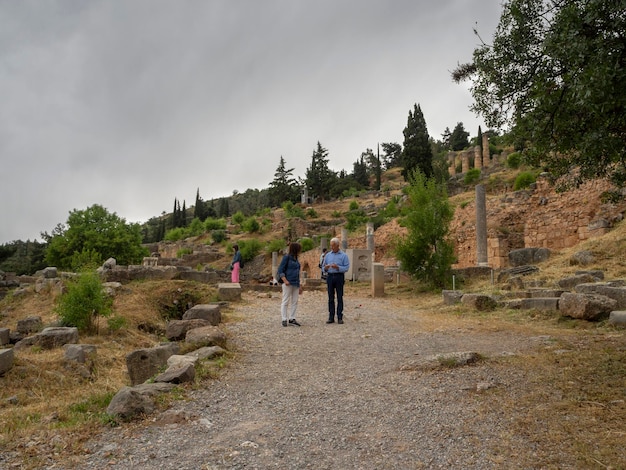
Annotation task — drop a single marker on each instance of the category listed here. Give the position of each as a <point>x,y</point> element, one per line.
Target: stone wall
<point>537,217</point>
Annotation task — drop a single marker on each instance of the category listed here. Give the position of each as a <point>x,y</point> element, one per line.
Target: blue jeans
<point>335,282</point>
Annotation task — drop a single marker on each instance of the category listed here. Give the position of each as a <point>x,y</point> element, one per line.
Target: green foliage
<point>116,322</point>
<point>523,180</point>
<point>319,178</point>
<point>425,253</point>
<point>514,160</point>
<point>22,257</point>
<point>214,224</point>
<point>354,219</point>
<point>86,259</point>
<point>238,218</point>
<point>311,213</point>
<point>276,245</point>
<point>84,302</point>
<point>218,236</point>
<point>353,205</point>
<point>472,176</point>
<point>459,138</point>
<point>336,214</point>
<point>175,234</point>
<point>251,225</point>
<point>183,251</point>
<point>284,187</point>
<point>96,230</point>
<point>249,248</point>
<point>307,244</point>
<point>293,211</point>
<point>417,152</point>
<point>555,74</point>
<point>195,228</point>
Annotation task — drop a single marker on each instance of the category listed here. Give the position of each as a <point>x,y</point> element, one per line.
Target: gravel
<point>321,396</point>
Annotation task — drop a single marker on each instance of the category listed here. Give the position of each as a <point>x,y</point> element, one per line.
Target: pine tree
<point>319,178</point>
<point>284,187</point>
<point>458,139</point>
<point>417,153</point>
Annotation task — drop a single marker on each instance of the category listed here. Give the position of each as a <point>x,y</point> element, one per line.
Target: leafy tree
<point>319,177</point>
<point>425,253</point>
<point>95,230</point>
<point>392,156</point>
<point>284,186</point>
<point>458,138</point>
<point>223,209</point>
<point>445,138</point>
<point>22,257</point>
<point>556,74</point>
<point>417,153</point>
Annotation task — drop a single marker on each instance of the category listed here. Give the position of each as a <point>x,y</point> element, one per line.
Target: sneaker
<point>340,321</point>
<point>294,322</point>
<point>284,322</point>
<point>330,321</point>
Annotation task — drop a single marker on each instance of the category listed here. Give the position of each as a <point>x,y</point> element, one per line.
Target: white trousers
<point>289,303</point>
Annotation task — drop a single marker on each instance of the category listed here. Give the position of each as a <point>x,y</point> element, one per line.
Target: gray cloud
<point>131,104</point>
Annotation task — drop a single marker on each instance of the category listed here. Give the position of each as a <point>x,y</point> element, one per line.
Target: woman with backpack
<point>289,276</point>
<point>235,264</point>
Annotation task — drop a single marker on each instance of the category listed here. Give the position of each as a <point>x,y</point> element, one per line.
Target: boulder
<point>79,352</point>
<point>177,329</point>
<point>6,360</point>
<point>177,374</point>
<point>569,283</point>
<point>479,302</point>
<point>451,297</point>
<point>206,336</point>
<point>50,338</point>
<point>5,336</point>
<point>145,363</point>
<point>604,288</point>
<point>525,256</point>
<point>582,258</point>
<point>207,352</point>
<point>585,306</point>
<point>131,402</point>
<point>618,318</point>
<point>209,312</point>
<point>29,325</point>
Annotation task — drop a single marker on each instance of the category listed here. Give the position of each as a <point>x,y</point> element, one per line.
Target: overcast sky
<point>132,103</point>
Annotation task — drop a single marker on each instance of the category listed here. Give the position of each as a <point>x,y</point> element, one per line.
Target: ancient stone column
<point>452,163</point>
<point>344,239</point>
<point>369,230</point>
<point>274,264</point>
<point>478,158</point>
<point>378,280</point>
<point>485,150</point>
<point>324,243</point>
<point>481,226</point>
<point>465,163</point>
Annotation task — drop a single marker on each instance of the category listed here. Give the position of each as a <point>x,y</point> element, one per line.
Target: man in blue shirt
<point>336,264</point>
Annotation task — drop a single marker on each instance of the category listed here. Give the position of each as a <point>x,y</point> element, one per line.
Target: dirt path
<point>334,397</point>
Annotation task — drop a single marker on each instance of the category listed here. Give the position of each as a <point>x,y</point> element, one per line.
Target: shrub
<point>523,180</point>
<point>311,214</point>
<point>251,225</point>
<point>472,176</point>
<point>183,251</point>
<point>84,302</point>
<point>353,205</point>
<point>293,211</point>
<point>214,224</point>
<point>355,219</point>
<point>307,244</point>
<point>276,245</point>
<point>218,236</point>
<point>238,218</point>
<point>175,234</point>
<point>249,248</point>
<point>514,160</point>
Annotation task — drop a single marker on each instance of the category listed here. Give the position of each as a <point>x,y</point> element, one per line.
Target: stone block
<point>586,306</point>
<point>226,291</point>
<point>479,302</point>
<point>616,293</point>
<point>209,312</point>
<point>177,329</point>
<point>540,303</point>
<point>206,336</point>
<point>525,256</point>
<point>569,283</point>
<point>451,297</point>
<point>618,318</point>
<point>145,363</point>
<point>5,336</point>
<point>360,265</point>
<point>6,360</point>
<point>378,280</point>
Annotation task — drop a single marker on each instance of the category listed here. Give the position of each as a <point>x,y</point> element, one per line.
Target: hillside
<point>46,408</point>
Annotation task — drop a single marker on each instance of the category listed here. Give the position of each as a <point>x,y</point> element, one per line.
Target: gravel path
<point>331,397</point>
